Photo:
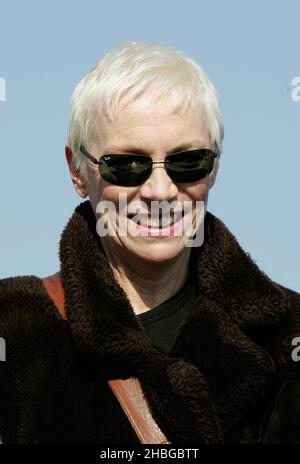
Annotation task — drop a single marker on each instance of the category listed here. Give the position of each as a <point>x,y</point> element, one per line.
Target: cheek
<point>120,197</point>
<point>113,193</point>
<point>94,187</point>
<point>197,190</point>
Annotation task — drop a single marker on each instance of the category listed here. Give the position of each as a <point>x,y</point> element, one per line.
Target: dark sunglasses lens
<point>125,170</point>
<point>190,166</point>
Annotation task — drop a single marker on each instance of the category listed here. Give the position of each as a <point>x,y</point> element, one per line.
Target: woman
<point>173,302</point>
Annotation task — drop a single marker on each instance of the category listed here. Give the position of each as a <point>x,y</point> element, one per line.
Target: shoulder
<point>22,297</point>
<point>281,337</point>
<point>17,289</point>
<point>295,304</point>
<point>28,317</point>
<point>284,422</point>
<point>291,330</point>
<point>283,425</point>
<point>35,348</point>
<point>9,286</point>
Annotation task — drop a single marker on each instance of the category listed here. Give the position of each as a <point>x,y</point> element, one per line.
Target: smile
<point>158,227</point>
<point>163,222</point>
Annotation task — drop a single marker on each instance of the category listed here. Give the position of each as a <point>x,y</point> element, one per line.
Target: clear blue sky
<point>250,51</point>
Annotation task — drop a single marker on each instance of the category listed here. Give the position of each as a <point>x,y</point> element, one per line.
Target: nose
<point>159,186</point>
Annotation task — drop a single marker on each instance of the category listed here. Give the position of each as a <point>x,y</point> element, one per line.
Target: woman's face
<point>153,129</point>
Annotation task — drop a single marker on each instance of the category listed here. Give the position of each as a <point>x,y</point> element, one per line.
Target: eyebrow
<point>139,151</point>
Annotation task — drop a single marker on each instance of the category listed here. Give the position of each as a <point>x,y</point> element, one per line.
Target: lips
<point>146,220</point>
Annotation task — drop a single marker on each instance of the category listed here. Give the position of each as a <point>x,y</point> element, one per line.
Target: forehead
<point>151,121</point>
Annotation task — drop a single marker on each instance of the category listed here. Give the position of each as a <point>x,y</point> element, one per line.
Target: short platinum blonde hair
<point>130,70</point>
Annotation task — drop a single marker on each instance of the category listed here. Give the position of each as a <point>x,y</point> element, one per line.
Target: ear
<point>77,179</point>
<point>213,175</point>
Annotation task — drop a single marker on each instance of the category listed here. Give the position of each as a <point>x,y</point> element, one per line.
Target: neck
<point>149,284</point>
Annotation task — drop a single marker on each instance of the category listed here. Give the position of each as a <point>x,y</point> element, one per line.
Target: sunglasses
<point>131,170</point>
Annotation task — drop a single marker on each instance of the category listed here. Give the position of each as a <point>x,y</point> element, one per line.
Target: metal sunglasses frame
<point>95,161</point>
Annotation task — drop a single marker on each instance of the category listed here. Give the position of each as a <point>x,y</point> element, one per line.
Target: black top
<point>161,324</point>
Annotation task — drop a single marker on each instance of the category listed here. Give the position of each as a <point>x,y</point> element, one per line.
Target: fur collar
<point>217,370</point>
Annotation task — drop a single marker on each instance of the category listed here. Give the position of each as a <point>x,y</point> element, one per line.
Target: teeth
<point>157,222</point>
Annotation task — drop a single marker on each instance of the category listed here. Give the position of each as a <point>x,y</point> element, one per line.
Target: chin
<point>157,251</point>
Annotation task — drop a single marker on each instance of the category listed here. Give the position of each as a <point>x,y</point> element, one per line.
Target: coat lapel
<point>216,371</point>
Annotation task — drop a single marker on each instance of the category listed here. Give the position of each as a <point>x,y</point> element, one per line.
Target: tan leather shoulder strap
<point>130,395</point>
<point>55,290</point>
<point>128,392</point>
